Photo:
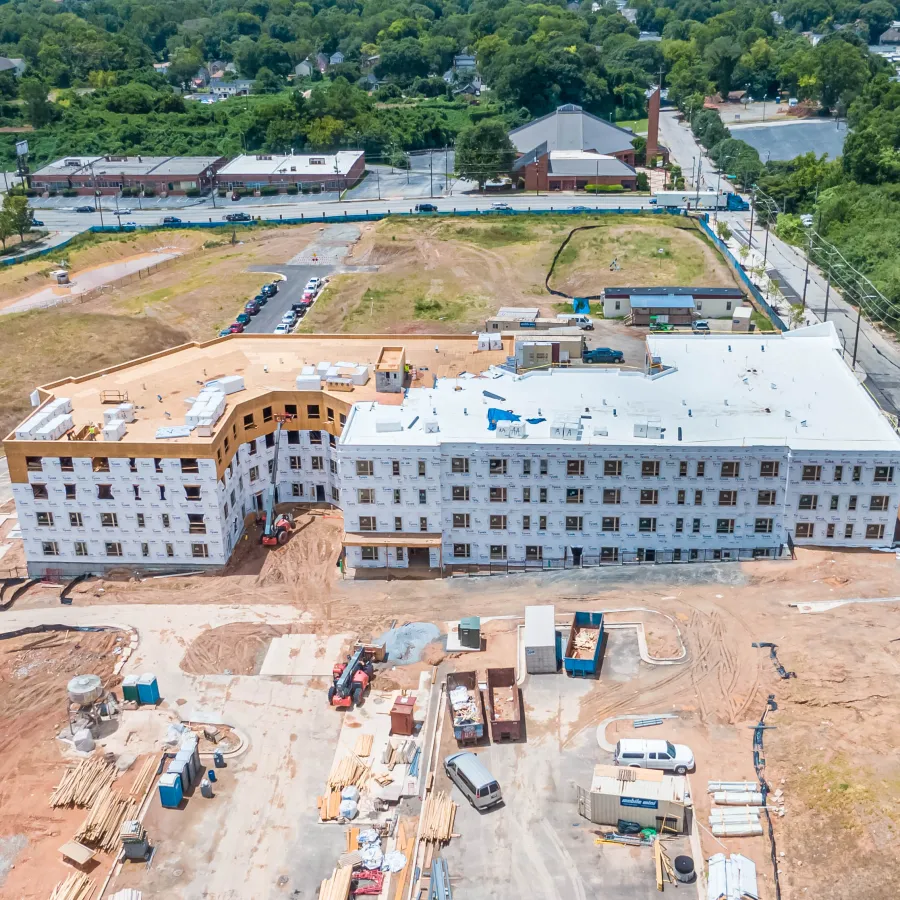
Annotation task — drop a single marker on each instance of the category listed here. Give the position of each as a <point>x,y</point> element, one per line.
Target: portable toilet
<point>186,755</point>
<point>470,632</point>
<point>170,790</point>
<point>181,768</point>
<point>148,689</point>
<point>130,689</point>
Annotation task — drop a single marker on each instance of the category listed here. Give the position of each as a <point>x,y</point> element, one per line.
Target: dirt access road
<point>832,752</point>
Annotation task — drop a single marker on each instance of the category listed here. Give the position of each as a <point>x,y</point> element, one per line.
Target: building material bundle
<point>81,783</point>
<point>438,815</point>
<point>735,821</point>
<point>329,806</point>
<point>103,824</point>
<point>76,887</point>
<point>363,745</point>
<point>144,778</point>
<point>346,771</point>
<point>338,886</point>
<point>731,879</point>
<point>738,798</point>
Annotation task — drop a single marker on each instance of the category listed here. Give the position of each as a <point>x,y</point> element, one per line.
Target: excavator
<point>350,680</point>
<point>278,527</point>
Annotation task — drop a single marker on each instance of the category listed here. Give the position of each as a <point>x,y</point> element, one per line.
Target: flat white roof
<point>721,390</point>
<point>323,164</point>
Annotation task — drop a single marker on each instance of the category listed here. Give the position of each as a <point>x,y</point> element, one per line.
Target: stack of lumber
<point>346,771</point>
<point>406,844</point>
<point>363,745</point>
<point>338,886</point>
<point>664,870</point>
<point>104,821</point>
<point>82,783</point>
<point>329,806</point>
<point>76,887</point>
<point>144,779</point>
<point>438,813</point>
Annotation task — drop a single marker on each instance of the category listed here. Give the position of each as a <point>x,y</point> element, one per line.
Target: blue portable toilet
<point>170,791</point>
<point>148,689</point>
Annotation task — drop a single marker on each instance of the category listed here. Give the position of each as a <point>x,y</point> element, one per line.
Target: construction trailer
<point>649,797</point>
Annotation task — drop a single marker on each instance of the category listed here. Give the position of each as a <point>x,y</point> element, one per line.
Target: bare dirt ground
<point>449,275</point>
<point>832,750</point>
<point>34,671</point>
<point>236,649</point>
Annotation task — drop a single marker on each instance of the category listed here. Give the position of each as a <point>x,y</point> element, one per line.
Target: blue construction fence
<point>774,318</point>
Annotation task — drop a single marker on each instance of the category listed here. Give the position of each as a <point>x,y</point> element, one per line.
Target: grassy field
<point>452,274</point>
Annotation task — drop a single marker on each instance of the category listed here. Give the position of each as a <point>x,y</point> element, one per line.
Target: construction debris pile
<point>82,782</point>
<point>363,866</point>
<point>585,643</point>
<point>464,705</point>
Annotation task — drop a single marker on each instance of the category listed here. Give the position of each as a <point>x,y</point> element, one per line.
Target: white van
<point>585,323</point>
<point>473,779</point>
<point>654,755</point>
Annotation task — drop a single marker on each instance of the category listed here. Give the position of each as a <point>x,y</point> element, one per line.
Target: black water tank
<point>684,869</point>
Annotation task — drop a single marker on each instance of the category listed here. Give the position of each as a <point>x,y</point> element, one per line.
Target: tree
<point>267,82</point>
<point>642,182</point>
<point>34,93</point>
<point>722,56</point>
<point>19,214</point>
<point>183,67</point>
<point>6,229</point>
<point>841,71</point>
<point>484,151</point>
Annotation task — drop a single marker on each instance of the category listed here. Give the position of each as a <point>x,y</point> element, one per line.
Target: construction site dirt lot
<point>832,750</point>
<point>451,274</point>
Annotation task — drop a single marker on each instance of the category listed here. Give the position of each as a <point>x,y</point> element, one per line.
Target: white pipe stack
<point>738,798</point>
<point>738,821</point>
<point>713,786</point>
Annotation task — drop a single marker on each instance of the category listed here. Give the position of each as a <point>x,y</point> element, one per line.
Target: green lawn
<point>638,126</point>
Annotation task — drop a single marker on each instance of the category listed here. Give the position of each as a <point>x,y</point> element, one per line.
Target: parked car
<point>469,774</point>
<point>237,217</point>
<point>313,286</point>
<point>426,207</point>
<point>270,290</point>
<point>236,328</point>
<point>123,211</point>
<point>171,220</point>
<point>289,318</point>
<point>252,307</point>
<point>580,209</point>
<point>300,309</point>
<point>85,209</point>
<point>500,206</point>
<point>700,327</point>
<point>603,355</point>
<point>654,754</point>
<point>235,195</point>
<point>225,332</point>
<point>282,328</point>
<point>261,299</point>
<point>243,318</point>
<point>37,223</point>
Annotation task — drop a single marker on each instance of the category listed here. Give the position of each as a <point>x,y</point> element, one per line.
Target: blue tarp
<point>500,415</point>
<point>581,305</point>
<point>535,421</point>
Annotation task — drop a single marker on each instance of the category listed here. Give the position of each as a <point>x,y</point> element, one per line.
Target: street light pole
<point>856,339</point>
<point>806,273</point>
<point>827,292</point>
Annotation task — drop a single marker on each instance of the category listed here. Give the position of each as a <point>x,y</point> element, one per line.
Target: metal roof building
<point>569,127</point>
<point>680,305</point>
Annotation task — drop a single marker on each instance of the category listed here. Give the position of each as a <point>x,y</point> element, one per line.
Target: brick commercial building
<point>572,170</point>
<point>110,174</point>
<point>723,447</point>
<point>328,172</point>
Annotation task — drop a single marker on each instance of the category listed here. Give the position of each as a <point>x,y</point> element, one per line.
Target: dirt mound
<point>236,649</point>
<point>433,654</point>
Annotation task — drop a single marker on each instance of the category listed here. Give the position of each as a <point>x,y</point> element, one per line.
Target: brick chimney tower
<point>652,124</point>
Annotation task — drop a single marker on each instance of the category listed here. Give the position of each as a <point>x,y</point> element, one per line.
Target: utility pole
<point>827,292</point>
<point>856,339</point>
<point>806,273</point>
<point>378,181</point>
<point>766,247</point>
<point>752,207</point>
<point>431,172</point>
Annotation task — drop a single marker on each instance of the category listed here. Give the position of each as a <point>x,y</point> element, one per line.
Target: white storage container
<point>540,640</point>
<point>308,383</point>
<point>115,431</point>
<point>360,375</point>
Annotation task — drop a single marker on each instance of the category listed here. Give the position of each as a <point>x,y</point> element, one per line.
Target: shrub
<point>268,191</point>
<point>603,188</point>
<point>642,182</point>
<point>149,192</point>
<point>68,192</point>
<point>293,189</point>
<point>192,192</point>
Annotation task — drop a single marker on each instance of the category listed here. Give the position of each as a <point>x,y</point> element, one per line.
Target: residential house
<point>222,89</point>
<point>303,69</point>
<point>892,35</point>
<point>17,66</point>
<point>336,58</point>
<point>322,62</point>
<point>201,78</point>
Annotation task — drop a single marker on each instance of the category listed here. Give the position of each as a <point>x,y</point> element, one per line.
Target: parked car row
<point>251,308</point>
<point>298,310</point>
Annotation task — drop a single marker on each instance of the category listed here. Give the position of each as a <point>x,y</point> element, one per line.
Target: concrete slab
<point>453,644</point>
<point>304,655</point>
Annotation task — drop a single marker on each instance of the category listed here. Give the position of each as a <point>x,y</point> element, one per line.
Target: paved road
<point>685,151</point>
<point>72,221</point>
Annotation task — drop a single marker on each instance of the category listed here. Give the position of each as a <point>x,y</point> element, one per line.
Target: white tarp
<point>731,879</point>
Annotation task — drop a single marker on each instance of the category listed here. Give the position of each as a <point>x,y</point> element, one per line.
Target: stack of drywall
<point>484,341</point>
<point>496,341</point>
<point>360,375</point>
<point>111,415</point>
<point>126,412</point>
<point>227,384</point>
<point>322,368</point>
<point>54,429</point>
<point>206,409</point>
<point>115,431</point>
<point>566,429</point>
<point>29,429</point>
<point>309,382</point>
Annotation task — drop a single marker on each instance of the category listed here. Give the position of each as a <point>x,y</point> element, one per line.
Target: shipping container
<point>541,655</point>
<point>466,707</point>
<point>504,705</point>
<point>583,649</point>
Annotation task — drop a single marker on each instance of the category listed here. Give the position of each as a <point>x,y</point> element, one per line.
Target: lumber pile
<point>76,887</point>
<point>438,814</point>
<point>329,806</point>
<point>346,771</point>
<point>363,745</point>
<point>144,778</point>
<point>81,783</point>
<point>406,844</point>
<point>664,869</point>
<point>338,886</point>
<point>104,821</point>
